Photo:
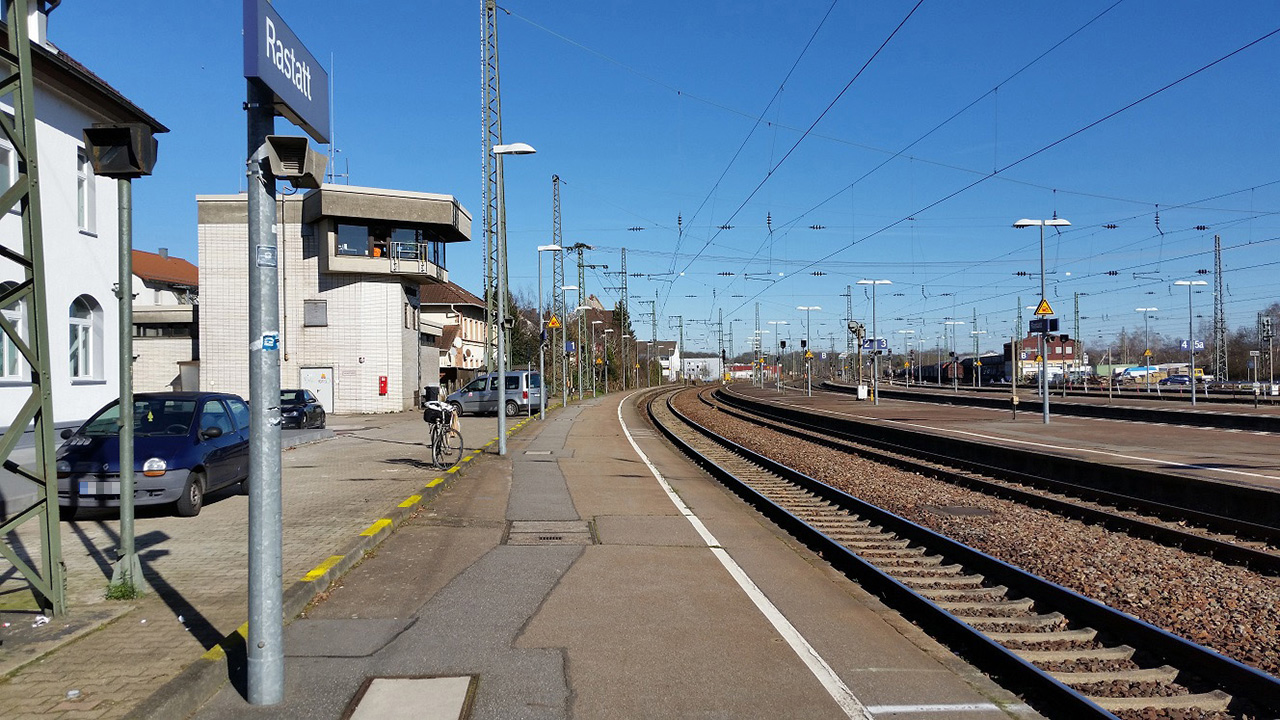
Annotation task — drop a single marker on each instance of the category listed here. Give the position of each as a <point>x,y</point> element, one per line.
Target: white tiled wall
<point>365,337</point>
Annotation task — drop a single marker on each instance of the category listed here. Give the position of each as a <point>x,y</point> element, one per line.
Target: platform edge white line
<point>844,697</point>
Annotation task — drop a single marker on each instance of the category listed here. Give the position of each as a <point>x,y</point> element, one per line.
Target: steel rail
<point>943,467</point>
<point>1244,511</point>
<point>1242,681</point>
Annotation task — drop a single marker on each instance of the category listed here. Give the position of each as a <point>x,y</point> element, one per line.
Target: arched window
<point>15,312</point>
<point>85,349</point>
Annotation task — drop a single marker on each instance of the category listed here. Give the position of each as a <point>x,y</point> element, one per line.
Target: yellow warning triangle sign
<point>554,322</point>
<point>1043,308</point>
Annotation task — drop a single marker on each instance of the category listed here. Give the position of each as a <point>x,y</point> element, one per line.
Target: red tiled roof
<point>176,271</point>
<point>446,294</point>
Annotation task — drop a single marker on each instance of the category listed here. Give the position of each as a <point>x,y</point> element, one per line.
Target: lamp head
<point>514,149</point>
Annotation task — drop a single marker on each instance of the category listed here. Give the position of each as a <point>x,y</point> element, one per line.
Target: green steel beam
<point>48,580</point>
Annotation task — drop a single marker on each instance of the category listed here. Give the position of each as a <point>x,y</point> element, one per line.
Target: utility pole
<point>720,341</point>
<point>49,580</point>
<point>622,308</point>
<point>626,317</point>
<point>654,320</point>
<point>1079,343</point>
<point>848,318</point>
<point>1017,350</point>
<point>679,348</point>
<point>557,293</point>
<point>1220,369</point>
<point>491,134</point>
<point>582,316</point>
<point>755,358</point>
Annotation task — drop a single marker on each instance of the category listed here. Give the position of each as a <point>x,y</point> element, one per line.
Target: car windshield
<point>292,396</point>
<point>151,417</point>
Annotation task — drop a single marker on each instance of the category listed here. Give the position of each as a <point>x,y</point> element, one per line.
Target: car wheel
<point>457,408</point>
<point>323,420</point>
<point>192,498</point>
<point>512,408</point>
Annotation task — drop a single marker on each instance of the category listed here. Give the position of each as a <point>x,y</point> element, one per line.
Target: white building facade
<point>351,261</point>
<point>81,240</point>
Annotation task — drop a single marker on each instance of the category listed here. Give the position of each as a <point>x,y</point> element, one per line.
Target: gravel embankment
<point>1224,607</point>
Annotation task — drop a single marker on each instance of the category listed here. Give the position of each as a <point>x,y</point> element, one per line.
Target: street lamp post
<point>875,349</point>
<point>1044,349</point>
<point>1146,342</point>
<point>500,151</point>
<point>977,364</point>
<point>905,353</point>
<point>808,373</point>
<point>542,341</point>
<point>1191,340</point>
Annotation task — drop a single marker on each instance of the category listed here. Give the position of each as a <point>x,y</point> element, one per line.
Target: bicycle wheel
<point>448,451</point>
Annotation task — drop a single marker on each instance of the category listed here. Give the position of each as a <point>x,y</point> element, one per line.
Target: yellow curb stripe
<point>435,482</point>
<point>318,571</point>
<point>214,653</point>
<point>376,527</point>
<point>217,653</point>
<point>411,501</point>
<point>452,470</point>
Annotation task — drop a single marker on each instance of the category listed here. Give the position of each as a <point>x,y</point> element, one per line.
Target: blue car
<point>186,444</point>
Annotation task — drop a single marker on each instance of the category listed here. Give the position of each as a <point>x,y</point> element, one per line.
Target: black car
<point>185,445</point>
<point>301,409</point>
<point>1175,380</point>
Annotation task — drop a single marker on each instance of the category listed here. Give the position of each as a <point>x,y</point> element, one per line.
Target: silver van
<point>524,389</point>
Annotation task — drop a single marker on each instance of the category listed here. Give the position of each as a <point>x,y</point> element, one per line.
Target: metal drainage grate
<point>572,532</point>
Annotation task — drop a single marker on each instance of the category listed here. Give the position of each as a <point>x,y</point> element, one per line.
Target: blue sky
<point>650,111</point>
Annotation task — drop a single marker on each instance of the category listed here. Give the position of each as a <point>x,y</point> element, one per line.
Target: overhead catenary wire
<point>1042,149</point>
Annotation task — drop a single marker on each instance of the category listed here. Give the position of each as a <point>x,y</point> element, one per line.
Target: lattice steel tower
<point>47,579</point>
<point>491,134</point>
<point>1219,315</point>
<point>557,288</point>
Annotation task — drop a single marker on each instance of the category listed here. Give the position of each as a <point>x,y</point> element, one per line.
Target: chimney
<point>38,20</point>
<point>164,253</point>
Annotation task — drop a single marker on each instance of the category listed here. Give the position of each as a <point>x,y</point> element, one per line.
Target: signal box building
<point>351,262</point>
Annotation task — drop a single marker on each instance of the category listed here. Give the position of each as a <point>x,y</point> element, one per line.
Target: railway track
<point>1072,656</point>
<point>1228,539</point>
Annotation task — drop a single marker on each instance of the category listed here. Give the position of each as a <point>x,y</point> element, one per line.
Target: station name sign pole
<point>282,78</point>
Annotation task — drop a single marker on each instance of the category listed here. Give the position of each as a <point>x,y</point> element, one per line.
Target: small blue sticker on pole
<point>271,341</point>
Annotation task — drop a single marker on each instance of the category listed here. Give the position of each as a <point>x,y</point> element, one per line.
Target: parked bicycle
<point>445,442</point>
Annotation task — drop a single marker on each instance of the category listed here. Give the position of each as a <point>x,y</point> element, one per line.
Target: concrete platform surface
<point>565,581</point>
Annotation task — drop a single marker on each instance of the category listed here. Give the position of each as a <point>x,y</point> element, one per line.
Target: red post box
<point>382,384</point>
